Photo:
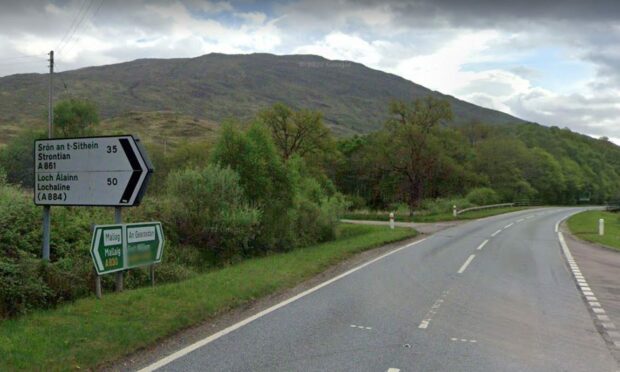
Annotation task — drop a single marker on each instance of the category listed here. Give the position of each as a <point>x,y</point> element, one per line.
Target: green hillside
<point>353,98</point>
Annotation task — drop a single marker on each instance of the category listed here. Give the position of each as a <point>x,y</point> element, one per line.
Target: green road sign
<point>125,246</point>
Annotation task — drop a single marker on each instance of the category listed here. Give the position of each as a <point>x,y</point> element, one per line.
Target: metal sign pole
<point>119,275</point>
<point>46,209</point>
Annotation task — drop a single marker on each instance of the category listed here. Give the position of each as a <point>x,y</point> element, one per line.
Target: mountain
<point>214,87</point>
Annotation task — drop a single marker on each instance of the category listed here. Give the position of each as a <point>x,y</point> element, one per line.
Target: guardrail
<point>456,212</point>
<point>615,207</point>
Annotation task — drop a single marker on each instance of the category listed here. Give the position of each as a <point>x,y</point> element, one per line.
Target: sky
<point>551,62</point>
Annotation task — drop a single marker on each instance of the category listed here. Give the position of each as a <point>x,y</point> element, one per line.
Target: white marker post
<point>392,220</point>
<point>601,227</point>
<point>454,211</point>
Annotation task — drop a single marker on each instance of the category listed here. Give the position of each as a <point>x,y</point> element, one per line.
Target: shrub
<point>483,196</point>
<point>265,180</point>
<point>21,288</point>
<point>207,208</point>
<point>443,205</point>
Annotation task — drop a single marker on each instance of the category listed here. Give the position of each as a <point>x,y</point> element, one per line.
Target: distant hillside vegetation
<point>213,87</point>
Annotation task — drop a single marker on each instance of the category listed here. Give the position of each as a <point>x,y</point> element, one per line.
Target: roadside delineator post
<point>601,227</point>
<point>454,211</point>
<point>392,220</point>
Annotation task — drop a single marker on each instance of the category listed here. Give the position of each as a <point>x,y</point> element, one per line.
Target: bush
<point>207,209</point>
<point>21,288</point>
<point>483,196</point>
<point>316,206</point>
<point>264,179</point>
<point>443,205</point>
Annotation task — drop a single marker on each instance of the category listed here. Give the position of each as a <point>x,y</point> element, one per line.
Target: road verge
<point>90,333</point>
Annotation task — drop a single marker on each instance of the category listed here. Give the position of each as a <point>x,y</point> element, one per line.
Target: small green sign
<point>126,246</point>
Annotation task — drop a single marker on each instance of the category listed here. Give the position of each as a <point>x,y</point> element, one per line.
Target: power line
<point>79,15</point>
<point>75,17</point>
<point>72,38</point>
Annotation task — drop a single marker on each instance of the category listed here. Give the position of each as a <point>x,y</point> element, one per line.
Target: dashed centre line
<point>509,225</point>
<point>482,245</point>
<point>495,233</point>
<point>360,327</point>
<point>463,340</point>
<point>467,262</point>
<point>429,316</point>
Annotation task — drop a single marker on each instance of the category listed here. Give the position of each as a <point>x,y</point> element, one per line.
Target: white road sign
<point>104,171</point>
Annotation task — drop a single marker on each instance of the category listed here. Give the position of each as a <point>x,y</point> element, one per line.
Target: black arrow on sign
<point>137,170</point>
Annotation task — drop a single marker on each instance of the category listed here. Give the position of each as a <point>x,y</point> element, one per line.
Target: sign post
<point>94,171</point>
<point>90,171</point>
<point>120,247</point>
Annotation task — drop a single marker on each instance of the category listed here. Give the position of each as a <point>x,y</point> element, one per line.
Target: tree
<point>296,132</point>
<point>412,145</point>
<point>17,158</point>
<point>475,131</point>
<point>264,178</point>
<point>74,118</point>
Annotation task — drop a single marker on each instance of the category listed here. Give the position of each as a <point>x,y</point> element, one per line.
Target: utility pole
<point>50,120</point>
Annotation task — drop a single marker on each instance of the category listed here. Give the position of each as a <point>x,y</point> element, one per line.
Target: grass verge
<point>91,332</point>
<point>585,226</point>
<point>379,216</point>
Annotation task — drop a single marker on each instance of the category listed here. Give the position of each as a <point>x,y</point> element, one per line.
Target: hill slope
<point>214,87</point>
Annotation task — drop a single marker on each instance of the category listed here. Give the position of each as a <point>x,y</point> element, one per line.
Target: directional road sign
<point>125,246</point>
<point>96,171</point>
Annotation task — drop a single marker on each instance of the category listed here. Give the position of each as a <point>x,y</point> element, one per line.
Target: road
<point>489,295</point>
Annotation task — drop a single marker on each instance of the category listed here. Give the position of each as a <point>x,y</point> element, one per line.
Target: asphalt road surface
<point>489,295</point>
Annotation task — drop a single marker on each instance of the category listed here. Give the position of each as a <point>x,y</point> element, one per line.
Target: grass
<point>91,332</point>
<point>384,216</point>
<point>585,226</point>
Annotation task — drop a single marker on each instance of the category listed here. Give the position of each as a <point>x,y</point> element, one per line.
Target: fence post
<point>454,211</point>
<point>392,220</point>
<point>601,227</point>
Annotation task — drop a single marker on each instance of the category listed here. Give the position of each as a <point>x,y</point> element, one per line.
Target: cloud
<point>554,62</point>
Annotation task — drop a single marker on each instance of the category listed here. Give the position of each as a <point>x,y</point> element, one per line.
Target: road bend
<point>494,294</point>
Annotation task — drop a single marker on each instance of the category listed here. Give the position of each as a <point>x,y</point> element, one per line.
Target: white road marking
<point>205,341</point>
<point>520,220</point>
<point>595,306</point>
<point>483,244</point>
<point>510,224</point>
<point>393,370</point>
<point>360,327</point>
<point>434,308</point>
<point>495,233</point>
<point>471,257</point>
<point>463,340</point>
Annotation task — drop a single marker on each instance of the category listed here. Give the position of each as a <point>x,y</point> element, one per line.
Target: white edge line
<point>205,341</point>
<point>482,245</point>
<point>471,257</point>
